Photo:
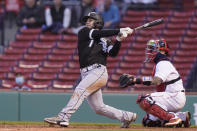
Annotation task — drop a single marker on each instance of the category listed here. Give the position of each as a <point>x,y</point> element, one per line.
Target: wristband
<point>147,80</point>
<point>138,81</point>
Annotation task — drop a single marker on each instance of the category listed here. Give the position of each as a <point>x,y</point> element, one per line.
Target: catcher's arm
<point>148,80</point>
<point>126,80</point>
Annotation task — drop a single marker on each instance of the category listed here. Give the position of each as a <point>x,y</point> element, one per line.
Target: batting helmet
<point>155,46</point>
<point>99,22</point>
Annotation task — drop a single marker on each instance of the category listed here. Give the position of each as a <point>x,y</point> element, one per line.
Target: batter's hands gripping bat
<point>150,24</point>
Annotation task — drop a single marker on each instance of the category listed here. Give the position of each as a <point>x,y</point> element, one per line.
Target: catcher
<point>162,106</point>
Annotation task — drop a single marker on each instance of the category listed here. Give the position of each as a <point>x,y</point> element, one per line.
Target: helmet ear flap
<point>98,24</point>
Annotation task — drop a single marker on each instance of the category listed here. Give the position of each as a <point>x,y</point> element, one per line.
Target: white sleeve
<point>48,17</point>
<point>163,69</point>
<point>67,18</point>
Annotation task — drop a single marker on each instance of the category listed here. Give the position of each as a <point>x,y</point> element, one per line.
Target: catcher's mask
<point>99,22</point>
<point>155,46</point>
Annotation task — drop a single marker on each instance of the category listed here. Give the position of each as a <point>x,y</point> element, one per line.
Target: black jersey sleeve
<point>113,52</point>
<point>96,34</point>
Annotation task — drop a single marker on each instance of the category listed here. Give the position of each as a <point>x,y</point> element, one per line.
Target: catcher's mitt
<point>126,80</point>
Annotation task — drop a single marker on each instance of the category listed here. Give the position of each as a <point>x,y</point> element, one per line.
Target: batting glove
<point>128,30</point>
<point>121,36</point>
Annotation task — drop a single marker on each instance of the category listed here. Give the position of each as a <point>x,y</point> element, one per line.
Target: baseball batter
<point>161,106</point>
<point>93,50</point>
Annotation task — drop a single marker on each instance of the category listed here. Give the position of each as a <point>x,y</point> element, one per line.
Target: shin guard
<point>149,106</point>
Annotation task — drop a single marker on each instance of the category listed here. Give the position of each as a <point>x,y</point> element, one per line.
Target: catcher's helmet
<point>99,22</point>
<point>162,45</point>
<point>155,46</point>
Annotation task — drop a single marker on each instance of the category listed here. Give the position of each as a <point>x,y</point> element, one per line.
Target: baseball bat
<point>150,24</point>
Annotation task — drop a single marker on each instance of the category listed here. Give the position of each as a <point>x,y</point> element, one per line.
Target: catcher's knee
<point>146,121</point>
<point>145,102</point>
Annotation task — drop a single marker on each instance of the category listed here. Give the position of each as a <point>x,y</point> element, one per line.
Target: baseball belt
<point>91,67</point>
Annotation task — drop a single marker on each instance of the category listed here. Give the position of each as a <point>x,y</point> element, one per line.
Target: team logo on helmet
<point>99,22</point>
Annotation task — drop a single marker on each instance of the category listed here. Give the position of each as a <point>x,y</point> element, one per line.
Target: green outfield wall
<point>23,106</point>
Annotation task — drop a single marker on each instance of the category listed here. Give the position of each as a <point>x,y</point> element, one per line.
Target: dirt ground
<point>46,127</point>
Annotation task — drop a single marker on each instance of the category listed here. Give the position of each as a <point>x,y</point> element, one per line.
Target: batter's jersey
<point>94,48</point>
<point>167,72</point>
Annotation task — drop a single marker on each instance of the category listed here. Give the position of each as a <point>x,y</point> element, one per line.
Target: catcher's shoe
<point>173,122</point>
<point>126,124</point>
<point>57,121</point>
<point>187,122</point>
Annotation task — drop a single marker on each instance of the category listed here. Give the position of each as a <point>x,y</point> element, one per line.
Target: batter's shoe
<point>187,122</point>
<point>173,122</point>
<point>57,121</point>
<point>126,124</point>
